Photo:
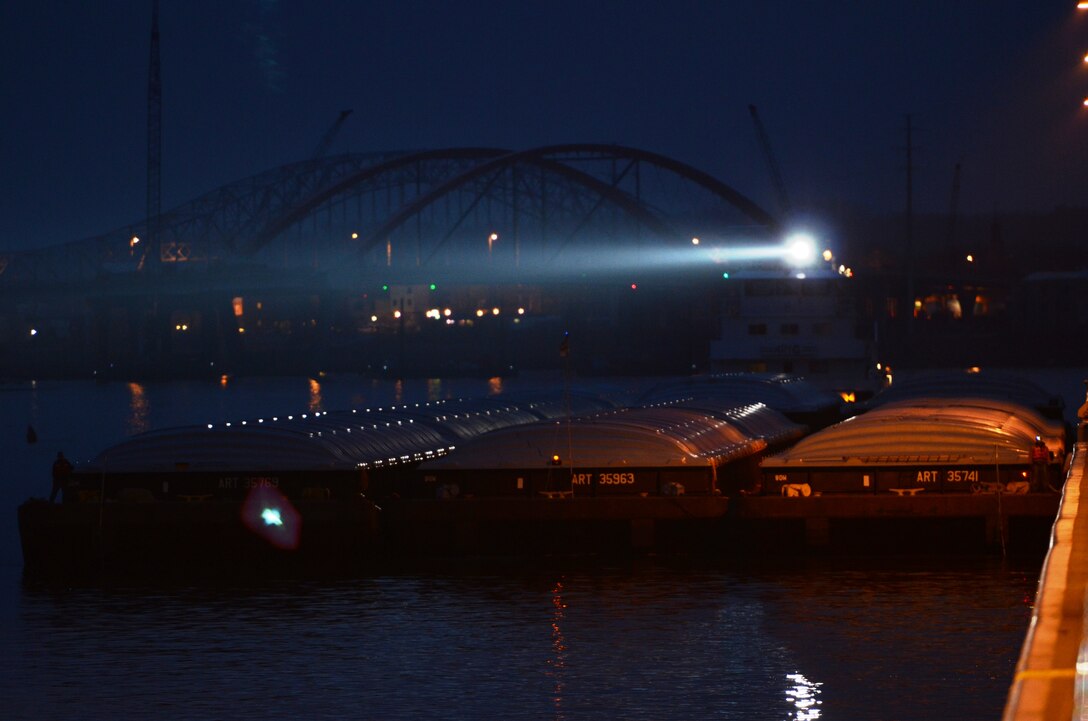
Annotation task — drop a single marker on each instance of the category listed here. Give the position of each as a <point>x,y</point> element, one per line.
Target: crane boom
<point>772,164</point>
<point>330,134</point>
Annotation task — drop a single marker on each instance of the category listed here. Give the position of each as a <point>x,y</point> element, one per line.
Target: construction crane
<point>772,164</point>
<point>330,134</point>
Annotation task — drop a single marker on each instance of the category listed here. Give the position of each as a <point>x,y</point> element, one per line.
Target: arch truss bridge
<point>463,213</point>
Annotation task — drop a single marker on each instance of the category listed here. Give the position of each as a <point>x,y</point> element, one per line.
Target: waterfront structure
<point>399,262</point>
<point>800,322</point>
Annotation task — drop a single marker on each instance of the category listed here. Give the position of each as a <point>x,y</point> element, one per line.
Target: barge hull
<point>511,526</point>
<point>203,538</point>
<point>885,522</point>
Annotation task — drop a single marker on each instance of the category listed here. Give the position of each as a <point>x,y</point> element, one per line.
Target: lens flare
<point>269,514</point>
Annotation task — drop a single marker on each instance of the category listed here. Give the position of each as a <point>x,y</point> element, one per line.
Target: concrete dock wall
<point>1050,682</point>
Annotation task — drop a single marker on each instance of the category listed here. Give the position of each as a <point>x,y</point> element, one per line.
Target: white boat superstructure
<point>799,323</point>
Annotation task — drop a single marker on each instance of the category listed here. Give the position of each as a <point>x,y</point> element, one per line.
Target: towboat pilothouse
<point>799,323</point>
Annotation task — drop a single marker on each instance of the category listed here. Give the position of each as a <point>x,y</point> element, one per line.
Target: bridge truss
<point>461,212</point>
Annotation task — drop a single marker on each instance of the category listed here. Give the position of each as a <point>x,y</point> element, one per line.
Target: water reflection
<point>558,661</point>
<point>315,396</point>
<point>803,695</point>
<point>137,409</point>
<point>652,639</point>
<point>33,411</point>
<point>494,386</point>
<point>398,391</point>
<point>434,389</point>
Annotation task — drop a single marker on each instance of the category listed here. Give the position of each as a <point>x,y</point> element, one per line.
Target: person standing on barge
<point>62,474</point>
<point>1040,459</point>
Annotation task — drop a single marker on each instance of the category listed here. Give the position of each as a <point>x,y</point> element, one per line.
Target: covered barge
<point>639,477</point>
<point>299,489</point>
<point>918,469</point>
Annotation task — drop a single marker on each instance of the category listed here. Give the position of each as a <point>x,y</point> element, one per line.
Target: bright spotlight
<point>800,249</point>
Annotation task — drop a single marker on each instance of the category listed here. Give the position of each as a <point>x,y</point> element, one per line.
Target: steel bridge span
<point>340,244</point>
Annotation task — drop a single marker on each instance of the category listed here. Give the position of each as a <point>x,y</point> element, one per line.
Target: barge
<point>292,491</point>
<point>641,478</point>
<point>975,383</point>
<point>917,472</point>
<point>794,397</point>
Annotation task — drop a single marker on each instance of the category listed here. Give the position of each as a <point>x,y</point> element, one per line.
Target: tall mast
<point>910,229</point>
<point>154,141</point>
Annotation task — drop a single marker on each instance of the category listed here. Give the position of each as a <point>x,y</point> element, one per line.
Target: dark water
<point>830,638</point>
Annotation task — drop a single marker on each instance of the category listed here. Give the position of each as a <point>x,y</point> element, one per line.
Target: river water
<point>650,638</point>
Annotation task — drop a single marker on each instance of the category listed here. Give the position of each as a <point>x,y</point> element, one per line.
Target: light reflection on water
<point>803,695</point>
<point>646,639</point>
<point>137,419</point>
<point>559,647</point>
<point>315,396</point>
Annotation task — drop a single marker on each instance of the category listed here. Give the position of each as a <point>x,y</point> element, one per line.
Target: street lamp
<point>490,242</point>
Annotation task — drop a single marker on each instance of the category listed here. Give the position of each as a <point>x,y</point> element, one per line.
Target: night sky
<point>251,84</point>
